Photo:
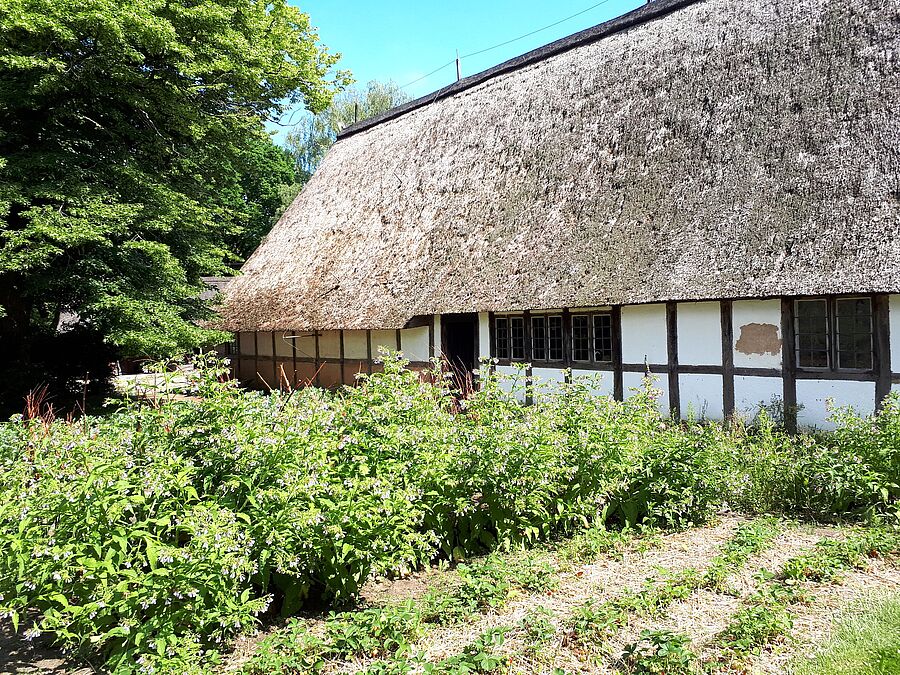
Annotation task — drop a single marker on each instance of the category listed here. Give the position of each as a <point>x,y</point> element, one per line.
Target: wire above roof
<point>653,10</point>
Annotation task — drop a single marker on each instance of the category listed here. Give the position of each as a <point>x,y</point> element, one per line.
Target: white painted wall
<point>631,381</point>
<point>699,334</point>
<point>330,344</point>
<point>383,338</point>
<point>356,345</point>
<point>601,381</point>
<point>701,395</point>
<point>751,317</point>
<point>750,392</point>
<point>813,395</point>
<point>484,335</point>
<point>548,375</point>
<point>894,314</point>
<point>437,336</point>
<point>644,334</point>
<point>414,343</point>
<point>305,342</point>
<point>546,381</point>
<point>515,380</point>
<point>283,347</point>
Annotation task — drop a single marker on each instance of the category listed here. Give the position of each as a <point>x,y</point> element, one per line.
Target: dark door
<point>459,341</point>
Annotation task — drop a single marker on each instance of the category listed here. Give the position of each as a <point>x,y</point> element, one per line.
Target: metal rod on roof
<point>458,68</point>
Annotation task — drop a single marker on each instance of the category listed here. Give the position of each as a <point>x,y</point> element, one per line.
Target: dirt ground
<point>701,616</point>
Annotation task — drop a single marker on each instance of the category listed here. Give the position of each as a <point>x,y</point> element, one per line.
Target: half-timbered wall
<point>330,359</point>
<point>708,359</point>
<point>715,359</point>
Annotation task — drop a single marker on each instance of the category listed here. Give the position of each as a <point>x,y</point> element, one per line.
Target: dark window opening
<point>539,338</point>
<point>812,334</point>
<point>853,333</point>
<point>581,338</point>
<point>517,337</point>
<point>603,338</point>
<point>834,334</point>
<point>501,337</point>
<point>591,339</point>
<point>555,338</point>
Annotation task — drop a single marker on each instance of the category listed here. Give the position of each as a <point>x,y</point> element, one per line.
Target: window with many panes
<point>581,337</point>
<point>592,338</point>
<point>509,338</point>
<point>603,338</point>
<point>547,338</point>
<point>833,333</point>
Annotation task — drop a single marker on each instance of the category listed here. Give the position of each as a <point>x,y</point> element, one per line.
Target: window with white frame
<point>592,338</point>
<point>509,338</point>
<point>547,337</point>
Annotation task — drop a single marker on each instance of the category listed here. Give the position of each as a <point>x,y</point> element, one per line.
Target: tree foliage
<point>315,134</point>
<point>133,157</point>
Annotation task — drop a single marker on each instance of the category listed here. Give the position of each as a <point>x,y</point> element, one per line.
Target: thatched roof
<point>686,151</point>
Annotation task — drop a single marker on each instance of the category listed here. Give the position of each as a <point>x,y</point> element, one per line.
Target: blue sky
<point>402,41</point>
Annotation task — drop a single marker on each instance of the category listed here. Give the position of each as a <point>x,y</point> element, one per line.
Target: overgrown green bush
<point>150,537</point>
<point>851,472</point>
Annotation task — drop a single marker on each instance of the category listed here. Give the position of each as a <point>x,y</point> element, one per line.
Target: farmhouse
<point>708,189</point>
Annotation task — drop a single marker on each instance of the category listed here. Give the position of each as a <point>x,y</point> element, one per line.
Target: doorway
<point>459,344</point>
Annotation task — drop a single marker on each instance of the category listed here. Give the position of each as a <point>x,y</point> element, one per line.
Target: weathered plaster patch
<point>759,338</point>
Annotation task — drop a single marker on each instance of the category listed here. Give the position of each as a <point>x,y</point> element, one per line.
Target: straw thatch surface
<point>726,149</point>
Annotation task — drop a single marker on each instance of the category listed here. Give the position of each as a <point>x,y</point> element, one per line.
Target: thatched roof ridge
<point>724,150</point>
<point>652,10</point>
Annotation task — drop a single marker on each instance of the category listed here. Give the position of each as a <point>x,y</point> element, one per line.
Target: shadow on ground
<point>18,656</point>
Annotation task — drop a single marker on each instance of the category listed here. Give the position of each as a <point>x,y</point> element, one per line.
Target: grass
<point>866,642</point>
<point>766,615</point>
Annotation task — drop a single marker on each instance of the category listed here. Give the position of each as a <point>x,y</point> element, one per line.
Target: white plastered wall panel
<point>756,325</point>
<point>264,343</point>
<point>437,336</point>
<point>813,397</point>
<point>701,396</point>
<point>330,344</point>
<point>546,381</point>
<point>484,335</point>
<point>894,325</point>
<point>356,344</point>
<point>632,381</point>
<point>305,342</point>
<point>284,347</point>
<point>247,344</point>
<point>414,343</point>
<point>699,334</point>
<point>512,379</point>
<point>644,334</point>
<point>750,392</point>
<point>548,375</point>
<point>383,338</point>
<point>600,382</point>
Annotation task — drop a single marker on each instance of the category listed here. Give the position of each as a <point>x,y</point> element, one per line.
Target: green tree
<point>315,134</point>
<point>267,181</point>
<point>131,137</point>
